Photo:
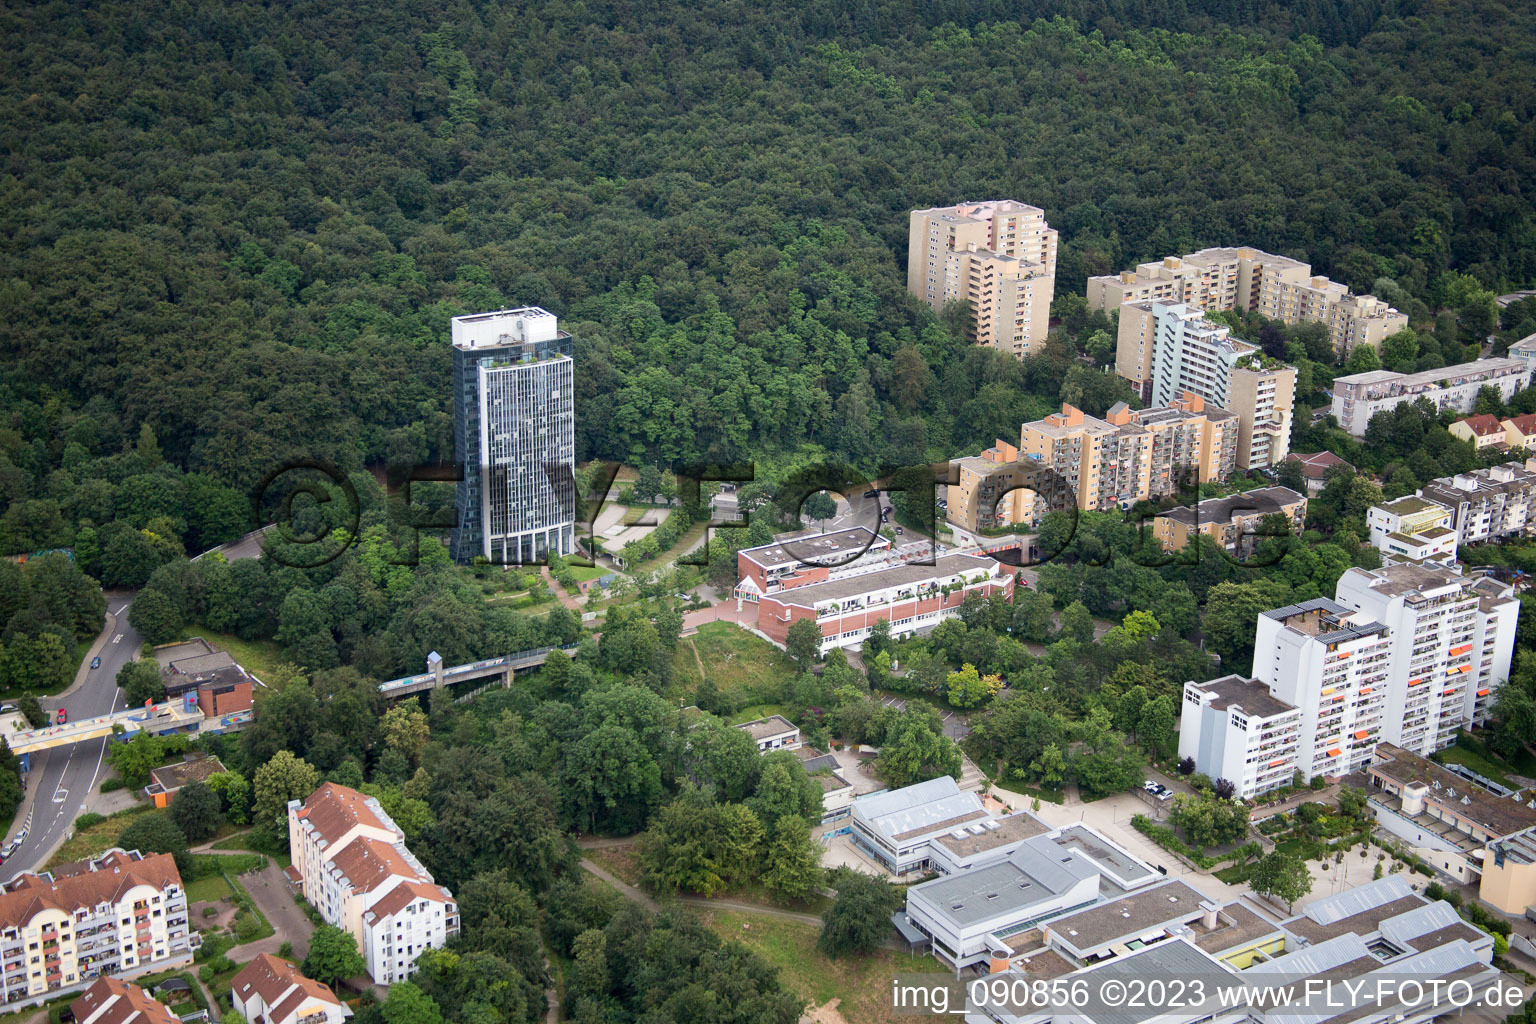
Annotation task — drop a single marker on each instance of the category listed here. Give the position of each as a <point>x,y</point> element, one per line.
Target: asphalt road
<point>64,777</point>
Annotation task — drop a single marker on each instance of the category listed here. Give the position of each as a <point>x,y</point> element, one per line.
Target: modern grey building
<point>515,436</point>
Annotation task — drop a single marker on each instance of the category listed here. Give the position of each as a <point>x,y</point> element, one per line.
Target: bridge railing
<point>536,654</point>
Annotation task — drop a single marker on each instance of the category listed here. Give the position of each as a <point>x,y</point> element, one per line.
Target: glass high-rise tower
<point>515,436</point>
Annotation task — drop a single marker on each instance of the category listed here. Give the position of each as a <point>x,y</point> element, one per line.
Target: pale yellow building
<point>1483,430</point>
<point>1252,281</point>
<point>992,491</point>
<point>1235,522</point>
<point>1165,350</point>
<point>998,256</point>
<point>1130,455</point>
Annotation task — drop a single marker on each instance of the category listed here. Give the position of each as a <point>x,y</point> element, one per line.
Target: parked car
<point>96,662</point>
<point>7,707</point>
<point>1166,794</point>
<point>62,717</point>
<point>871,494</point>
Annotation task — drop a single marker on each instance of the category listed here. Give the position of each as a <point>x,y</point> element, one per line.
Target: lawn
<point>622,862</point>
<point>258,657</point>
<point>209,889</point>
<point>586,573</point>
<point>96,839</point>
<point>1471,753</point>
<point>741,664</point>
<point>242,841</point>
<point>862,983</point>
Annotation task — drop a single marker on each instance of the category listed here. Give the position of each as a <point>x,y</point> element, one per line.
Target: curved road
<point>63,778</point>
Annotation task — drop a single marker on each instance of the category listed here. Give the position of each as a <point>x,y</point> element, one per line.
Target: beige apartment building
<point>1130,455</point>
<point>1235,522</point>
<point>993,491</point>
<point>1166,350</point>
<point>998,256</point>
<point>1252,281</point>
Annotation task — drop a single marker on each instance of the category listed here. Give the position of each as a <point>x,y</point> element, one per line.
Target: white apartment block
<point>1167,350</point>
<point>1360,396</point>
<point>998,257</point>
<point>270,990</point>
<point>1236,730</point>
<point>123,913</point>
<point>1413,529</point>
<point>351,862</point>
<point>1488,504</point>
<point>1331,662</point>
<point>1453,638</point>
<point>1252,281</point>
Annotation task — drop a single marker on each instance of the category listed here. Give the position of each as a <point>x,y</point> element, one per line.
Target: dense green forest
<point>246,226</point>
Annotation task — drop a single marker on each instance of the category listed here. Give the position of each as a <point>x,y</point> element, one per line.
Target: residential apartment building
<point>122,913</point>
<point>910,597</point>
<point>1483,430</point>
<point>1331,662</point>
<point>1359,397</point>
<point>1520,432</point>
<point>1413,529</point>
<point>1453,638</point>
<point>1169,350</point>
<point>998,257</point>
<point>1252,281</point>
<point>351,863</point>
<point>514,436</point>
<point>114,1001</point>
<point>1488,504</point>
<point>1073,459</point>
<point>1093,462</point>
<point>1236,730</point>
<point>1525,351</point>
<point>994,490</point>
<point>1456,822</point>
<point>1236,521</point>
<point>271,990</point>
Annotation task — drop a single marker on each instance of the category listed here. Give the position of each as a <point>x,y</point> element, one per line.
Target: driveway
<point>269,891</point>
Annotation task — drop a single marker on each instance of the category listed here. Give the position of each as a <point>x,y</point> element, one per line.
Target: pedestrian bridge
<point>440,675</point>
<point>171,716</point>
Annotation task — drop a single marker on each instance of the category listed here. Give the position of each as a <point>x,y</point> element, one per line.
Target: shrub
<point>114,783</point>
<point>88,819</point>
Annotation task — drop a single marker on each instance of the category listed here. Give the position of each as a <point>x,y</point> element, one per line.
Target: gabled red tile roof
<point>333,810</point>
<point>1314,465</point>
<point>84,884</point>
<point>279,985</point>
<point>367,862</point>
<point>1483,424</point>
<point>124,1003</point>
<point>1525,424</point>
<point>405,893</point>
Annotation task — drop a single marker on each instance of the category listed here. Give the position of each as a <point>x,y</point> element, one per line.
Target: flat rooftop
<point>1320,618</point>
<point>932,806</point>
<point>1249,694</point>
<point>1500,816</point>
<point>829,549</point>
<point>1237,925</point>
<point>1028,877</point>
<point>880,579</point>
<point>1410,504</point>
<point>1128,917</point>
<point>1262,501</point>
<point>1011,829</point>
<point>1177,958</point>
<point>766,728</point>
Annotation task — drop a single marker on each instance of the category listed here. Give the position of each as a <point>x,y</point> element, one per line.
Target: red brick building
<point>804,560</point>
